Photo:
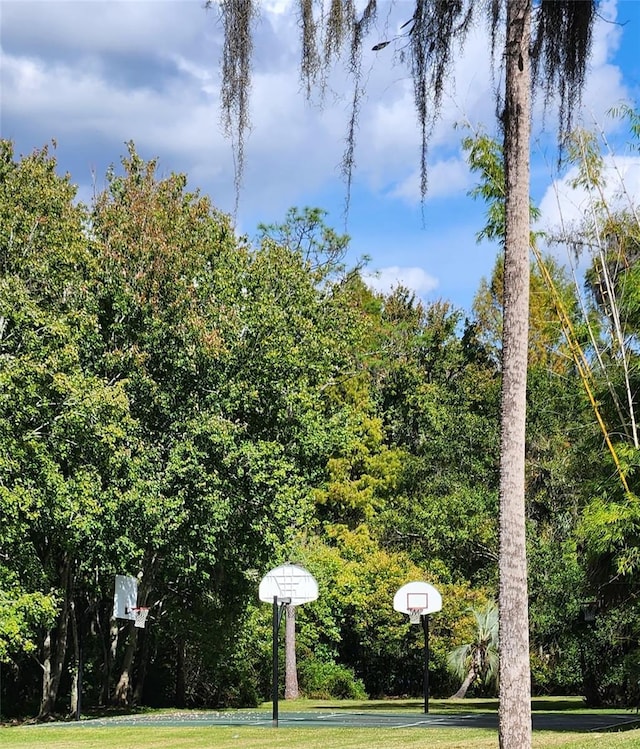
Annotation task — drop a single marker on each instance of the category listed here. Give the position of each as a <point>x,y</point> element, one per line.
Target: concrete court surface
<point>579,722</point>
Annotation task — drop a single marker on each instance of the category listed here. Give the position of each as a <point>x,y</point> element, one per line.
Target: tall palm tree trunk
<point>291,689</point>
<point>515,688</point>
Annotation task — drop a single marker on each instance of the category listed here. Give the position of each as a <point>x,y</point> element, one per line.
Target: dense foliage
<point>184,406</point>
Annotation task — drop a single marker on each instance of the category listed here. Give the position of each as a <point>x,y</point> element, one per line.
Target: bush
<point>326,679</point>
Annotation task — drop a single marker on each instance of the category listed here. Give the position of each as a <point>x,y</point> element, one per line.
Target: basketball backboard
<point>417,597</point>
<point>125,597</point>
<point>290,584</point>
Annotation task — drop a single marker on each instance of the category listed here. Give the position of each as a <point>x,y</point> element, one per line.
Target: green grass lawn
<point>224,737</point>
<point>85,736</point>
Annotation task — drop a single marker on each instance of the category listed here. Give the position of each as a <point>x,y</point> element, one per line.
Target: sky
<point>93,75</point>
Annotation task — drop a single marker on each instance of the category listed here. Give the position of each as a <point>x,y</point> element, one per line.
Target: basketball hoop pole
<point>286,585</point>
<point>278,610</point>
<point>417,617</point>
<point>425,627</point>
<point>419,599</point>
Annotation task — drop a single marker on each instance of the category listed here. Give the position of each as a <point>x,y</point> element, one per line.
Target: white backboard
<point>417,595</point>
<point>289,583</point>
<point>125,597</point>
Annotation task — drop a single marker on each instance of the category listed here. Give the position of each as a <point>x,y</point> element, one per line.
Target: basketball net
<point>141,617</point>
<point>414,616</point>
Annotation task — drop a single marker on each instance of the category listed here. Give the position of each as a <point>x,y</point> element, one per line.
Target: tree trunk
<point>515,687</point>
<point>109,649</point>
<point>468,681</point>
<point>108,641</point>
<point>54,653</point>
<point>75,702</point>
<point>291,690</point>
<point>141,669</point>
<point>181,693</point>
<point>122,692</point>
<point>45,700</point>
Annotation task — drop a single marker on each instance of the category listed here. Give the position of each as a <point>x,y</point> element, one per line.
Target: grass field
<point>114,736</point>
<point>68,737</point>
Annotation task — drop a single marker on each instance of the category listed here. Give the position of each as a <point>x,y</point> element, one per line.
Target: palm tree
<point>291,688</point>
<point>477,661</point>
<point>559,48</point>
<point>515,675</point>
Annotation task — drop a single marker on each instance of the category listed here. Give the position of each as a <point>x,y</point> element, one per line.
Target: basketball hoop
<point>419,599</point>
<point>141,612</point>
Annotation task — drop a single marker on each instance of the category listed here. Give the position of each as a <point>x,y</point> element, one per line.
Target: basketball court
<point>579,722</point>
<point>292,585</point>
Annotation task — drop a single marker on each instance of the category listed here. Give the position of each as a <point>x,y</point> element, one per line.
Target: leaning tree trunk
<point>515,688</point>
<point>122,692</point>
<point>464,687</point>
<point>291,690</point>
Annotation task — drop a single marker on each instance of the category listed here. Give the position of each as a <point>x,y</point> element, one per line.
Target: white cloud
<point>107,72</point>
<point>73,102</point>
<point>67,29</point>
<point>565,209</point>
<point>415,279</point>
<point>604,85</point>
<point>564,206</point>
<point>606,33</point>
<point>446,178</point>
<point>277,6</point>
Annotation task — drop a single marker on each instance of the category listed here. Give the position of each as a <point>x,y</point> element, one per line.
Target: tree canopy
<point>190,408</point>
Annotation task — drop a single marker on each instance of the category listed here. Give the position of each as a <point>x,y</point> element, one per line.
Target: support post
<point>425,627</point>
<point>288,584</point>
<point>278,610</point>
<point>274,691</point>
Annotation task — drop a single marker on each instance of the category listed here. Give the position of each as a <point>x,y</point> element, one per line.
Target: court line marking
<point>412,725</point>
<point>613,726</point>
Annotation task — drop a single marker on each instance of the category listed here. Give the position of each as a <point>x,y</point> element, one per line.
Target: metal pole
<point>278,611</point>
<point>274,692</point>
<point>425,627</point>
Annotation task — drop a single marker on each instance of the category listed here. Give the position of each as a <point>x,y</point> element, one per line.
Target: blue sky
<point>93,74</point>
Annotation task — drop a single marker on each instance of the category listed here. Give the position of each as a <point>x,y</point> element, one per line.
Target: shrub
<point>326,679</point>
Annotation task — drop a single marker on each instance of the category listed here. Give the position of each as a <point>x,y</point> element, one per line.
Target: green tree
<point>232,358</point>
<point>63,429</point>
<point>209,341</point>
<point>306,233</point>
<point>477,660</point>
<point>607,238</point>
<point>437,392</point>
<point>558,418</point>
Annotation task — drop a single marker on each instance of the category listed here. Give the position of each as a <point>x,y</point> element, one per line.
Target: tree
<point>62,428</point>
<point>438,394</point>
<point>608,237</point>
<point>583,520</point>
<point>560,48</point>
<point>477,660</point>
<point>291,689</point>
